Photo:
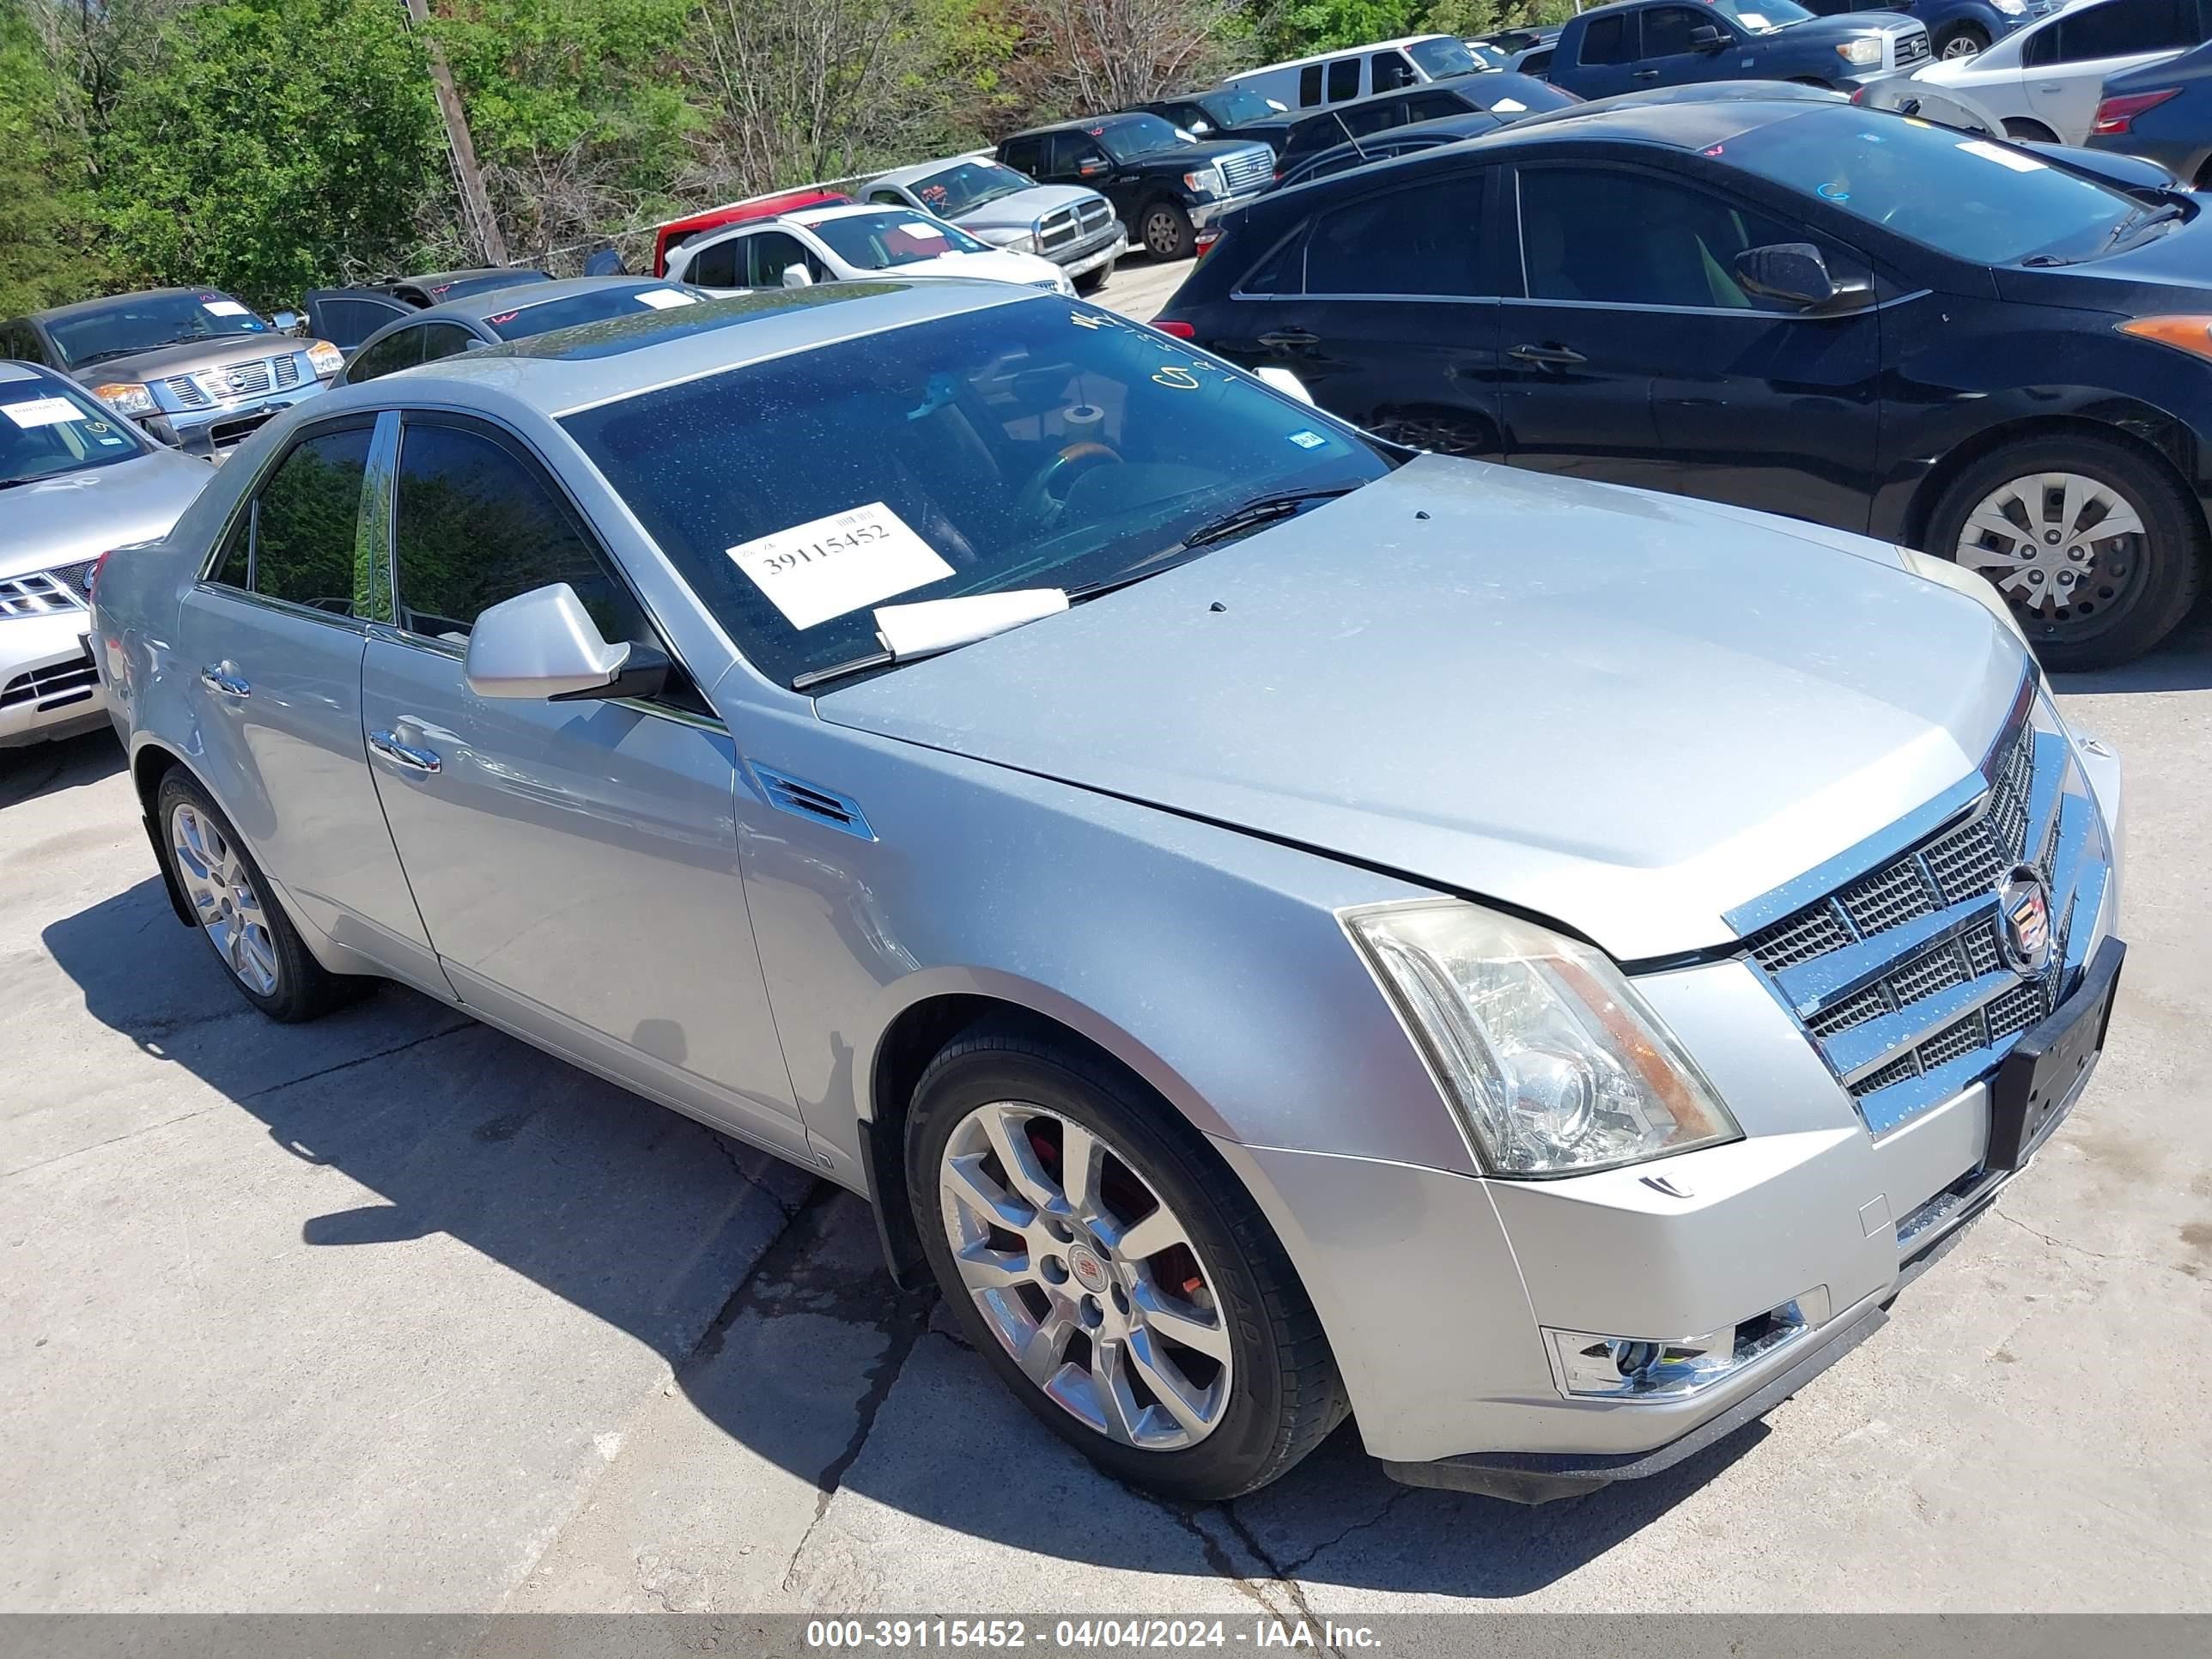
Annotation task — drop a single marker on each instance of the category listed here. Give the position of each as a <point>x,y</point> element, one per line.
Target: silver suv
<point>1268,946</point>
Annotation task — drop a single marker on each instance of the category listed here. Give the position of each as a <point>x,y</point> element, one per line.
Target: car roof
<point>12,372</point>
<point>592,363</point>
<point>495,301</point>
<point>918,170</point>
<point>87,307</point>
<point>843,210</point>
<point>1340,52</point>
<point>439,278</point>
<point>1083,124</point>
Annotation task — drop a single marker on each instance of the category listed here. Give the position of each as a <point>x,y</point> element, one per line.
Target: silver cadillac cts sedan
<point>1279,925</point>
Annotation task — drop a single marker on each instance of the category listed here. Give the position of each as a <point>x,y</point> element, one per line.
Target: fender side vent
<point>808,800</point>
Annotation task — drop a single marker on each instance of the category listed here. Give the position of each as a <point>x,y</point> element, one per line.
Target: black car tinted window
<point>304,522</point>
<point>1636,238</point>
<point>234,568</point>
<point>775,251</point>
<point>1608,40</point>
<point>1389,71</point>
<point>473,524</point>
<point>1421,240</point>
<point>1667,29</point>
<point>1021,154</point>
<point>2121,27</point>
<point>1362,119</point>
<point>1435,105</point>
<point>346,323</point>
<point>445,340</point>
<point>401,348</point>
<point>716,266</point>
<point>1343,80</point>
<point>1310,85</point>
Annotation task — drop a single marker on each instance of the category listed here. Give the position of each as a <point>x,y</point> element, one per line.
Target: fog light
<point>1587,1366</point>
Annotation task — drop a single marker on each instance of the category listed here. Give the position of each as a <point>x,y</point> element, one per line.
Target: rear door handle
<point>1285,338</point>
<point>1546,357</point>
<point>403,754</point>
<point>220,678</point>
<point>1645,75</point>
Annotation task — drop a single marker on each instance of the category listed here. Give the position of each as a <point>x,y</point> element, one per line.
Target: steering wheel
<point>1044,497</point>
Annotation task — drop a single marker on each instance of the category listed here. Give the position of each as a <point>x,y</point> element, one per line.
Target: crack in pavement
<point>1297,1591</point>
<point>733,1154</point>
<point>2057,1243</point>
<point>129,1134</point>
<point>358,1060</point>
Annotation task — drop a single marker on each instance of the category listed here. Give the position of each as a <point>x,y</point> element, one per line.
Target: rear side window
<point>1373,118</point>
<point>1608,40</point>
<point>472,525</point>
<point>1343,80</point>
<point>2122,27</point>
<point>445,340</point>
<point>346,323</point>
<point>401,348</point>
<point>1020,154</point>
<point>304,522</point>
<point>1420,242</point>
<point>1310,85</point>
<point>1435,105</point>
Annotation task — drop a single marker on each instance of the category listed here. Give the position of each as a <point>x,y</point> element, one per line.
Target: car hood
<point>1024,207</point>
<point>999,265</point>
<point>182,359</point>
<point>1624,711</point>
<point>1189,157</point>
<point>2171,272</point>
<point>81,515</point>
<point>1847,26</point>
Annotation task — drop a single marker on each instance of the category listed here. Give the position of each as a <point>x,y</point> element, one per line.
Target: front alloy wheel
<point>1087,1280</point>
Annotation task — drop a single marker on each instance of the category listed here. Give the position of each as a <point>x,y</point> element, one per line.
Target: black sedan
<point>1850,317</point>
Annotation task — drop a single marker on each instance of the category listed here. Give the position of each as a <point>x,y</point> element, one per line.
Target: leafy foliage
<point>47,249</point>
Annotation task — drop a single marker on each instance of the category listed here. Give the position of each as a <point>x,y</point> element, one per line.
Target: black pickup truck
<point>1164,187</point>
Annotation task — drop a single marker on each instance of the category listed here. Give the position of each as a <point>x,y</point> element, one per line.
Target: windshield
<point>1442,56</point>
<point>1973,198</point>
<point>1487,55</point>
<point>969,185</point>
<point>615,300</point>
<point>892,238</point>
<point>1234,106</point>
<point>1762,16</point>
<point>1140,134</point>
<point>1041,444</point>
<point>140,322</point>
<point>47,428</point>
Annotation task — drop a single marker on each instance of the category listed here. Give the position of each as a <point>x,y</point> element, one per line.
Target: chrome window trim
<point>283,607</point>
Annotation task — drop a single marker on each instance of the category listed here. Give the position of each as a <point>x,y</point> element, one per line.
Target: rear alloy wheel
<point>2096,549</point>
<point>1961,41</point>
<point>1167,232</point>
<point>1117,1279</point>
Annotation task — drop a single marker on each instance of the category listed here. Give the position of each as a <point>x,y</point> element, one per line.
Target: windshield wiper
<point>1259,511</point>
<point>2142,219</point>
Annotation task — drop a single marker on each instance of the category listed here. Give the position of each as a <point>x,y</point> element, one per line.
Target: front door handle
<point>222,678</point>
<point>404,754</point>
<point>1645,75</point>
<point>1546,357</point>
<point>1289,339</point>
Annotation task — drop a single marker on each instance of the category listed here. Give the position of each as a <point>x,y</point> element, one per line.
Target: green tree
<point>48,240</point>
<point>274,145</point>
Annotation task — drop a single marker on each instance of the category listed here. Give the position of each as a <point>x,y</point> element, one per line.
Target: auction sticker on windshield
<point>43,412</point>
<point>223,307</point>
<point>828,568</point>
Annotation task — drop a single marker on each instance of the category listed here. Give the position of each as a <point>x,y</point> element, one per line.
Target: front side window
<point>1035,444</point>
<point>967,185</point>
<point>1389,71</point>
<point>1443,57</point>
<point>304,523</point>
<point>888,239</point>
<point>142,322</point>
<point>472,525</point>
<point>1636,239</point>
<point>1666,30</point>
<point>47,429</point>
<point>1411,242</point>
<point>401,348</point>
<point>1343,80</point>
<point>1971,198</point>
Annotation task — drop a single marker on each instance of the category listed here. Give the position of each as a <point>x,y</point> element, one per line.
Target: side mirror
<point>1795,274</point>
<point>1202,126</point>
<point>797,276</point>
<point>1089,170</point>
<point>286,322</point>
<point>1706,37</point>
<point>543,645</point>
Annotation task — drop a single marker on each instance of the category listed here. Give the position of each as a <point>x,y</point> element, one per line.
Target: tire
<point>1220,1277</point>
<point>261,953</point>
<point>1961,41</point>
<point>2128,592</point>
<point>1093,282</point>
<point>2033,132</point>
<point>1164,229</point>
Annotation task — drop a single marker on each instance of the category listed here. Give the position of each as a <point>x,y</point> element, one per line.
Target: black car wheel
<point>1116,1279</point>
<point>1166,231</point>
<point>1961,41</point>
<point>2098,549</point>
<point>1091,281</point>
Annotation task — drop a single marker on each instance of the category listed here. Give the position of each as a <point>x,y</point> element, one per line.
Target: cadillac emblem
<point>2024,922</point>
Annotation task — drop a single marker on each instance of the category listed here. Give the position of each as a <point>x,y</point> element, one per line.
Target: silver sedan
<point>1279,925</point>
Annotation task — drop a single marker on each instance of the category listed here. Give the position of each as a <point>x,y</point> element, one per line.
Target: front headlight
<point>2010,8</point>
<point>324,359</point>
<point>127,397</point>
<point>1860,54</point>
<point>1553,1060</point>
<point>1206,182</point>
<point>1958,580</point>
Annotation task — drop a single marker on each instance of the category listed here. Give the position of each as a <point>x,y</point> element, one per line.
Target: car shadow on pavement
<point>2184,662</point>
<point>639,1216</point>
<point>47,768</point>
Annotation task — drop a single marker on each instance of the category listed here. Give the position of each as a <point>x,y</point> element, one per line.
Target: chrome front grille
<point>52,686</point>
<point>1247,169</point>
<point>1898,973</point>
<point>42,593</point>
<point>1057,229</point>
<point>187,392</point>
<point>1097,215</point>
<point>1913,48</point>
<point>205,388</point>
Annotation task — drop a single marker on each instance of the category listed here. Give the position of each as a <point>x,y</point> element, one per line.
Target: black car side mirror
<point>1706,37</point>
<point>1795,274</point>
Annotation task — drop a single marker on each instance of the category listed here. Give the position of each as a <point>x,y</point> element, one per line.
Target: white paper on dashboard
<point>2014,159</point>
<point>664,299</point>
<point>916,630</point>
<point>43,412</point>
<point>830,567</point>
<point>926,233</point>
<point>223,307</point>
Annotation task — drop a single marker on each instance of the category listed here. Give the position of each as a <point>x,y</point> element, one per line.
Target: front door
<point>576,862</point>
<point>1637,357</point>
<point>1385,308</point>
<point>271,644</point>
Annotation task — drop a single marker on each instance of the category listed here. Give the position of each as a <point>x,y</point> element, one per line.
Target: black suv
<point>1164,187</point>
<point>1464,94</point>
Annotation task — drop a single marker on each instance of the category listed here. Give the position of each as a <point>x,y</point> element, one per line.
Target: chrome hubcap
<point>2061,546</point>
<point>1085,1277</point>
<point>221,896</point>
<point>1160,233</point>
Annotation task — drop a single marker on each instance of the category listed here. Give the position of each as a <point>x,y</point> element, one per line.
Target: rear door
<point>347,316</point>
<point>1386,307</point>
<point>272,641</point>
<point>1635,356</point>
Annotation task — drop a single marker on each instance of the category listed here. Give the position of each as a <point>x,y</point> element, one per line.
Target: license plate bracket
<point>2047,1068</point>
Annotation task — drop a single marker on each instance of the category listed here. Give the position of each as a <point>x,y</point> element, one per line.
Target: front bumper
<point>211,433</point>
<point>48,686</point>
<point>1082,261</point>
